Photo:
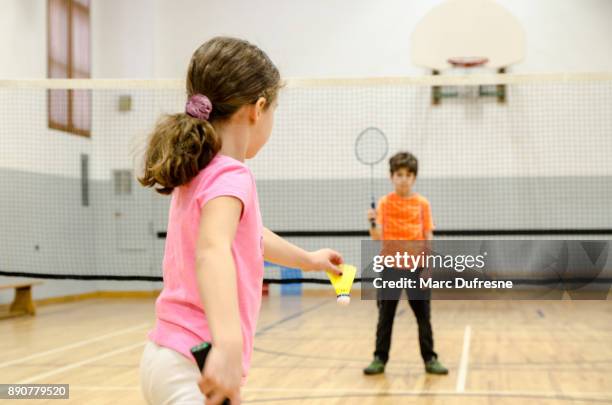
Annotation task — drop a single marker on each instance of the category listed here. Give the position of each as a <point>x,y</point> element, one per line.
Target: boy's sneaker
<point>434,366</point>
<point>375,367</point>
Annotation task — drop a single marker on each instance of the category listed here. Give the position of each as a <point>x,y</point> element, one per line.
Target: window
<point>69,57</point>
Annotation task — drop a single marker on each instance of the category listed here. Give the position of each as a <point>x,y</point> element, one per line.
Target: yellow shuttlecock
<point>342,284</point>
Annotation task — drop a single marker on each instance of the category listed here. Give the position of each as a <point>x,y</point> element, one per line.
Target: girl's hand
<point>324,260</point>
<point>222,375</point>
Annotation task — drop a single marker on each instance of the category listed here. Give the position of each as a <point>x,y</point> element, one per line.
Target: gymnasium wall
<point>322,38</point>
<point>40,167</point>
<point>155,38</point>
<point>36,162</point>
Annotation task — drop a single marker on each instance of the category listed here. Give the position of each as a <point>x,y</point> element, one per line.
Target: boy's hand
<point>324,260</point>
<point>222,375</point>
<point>371,215</point>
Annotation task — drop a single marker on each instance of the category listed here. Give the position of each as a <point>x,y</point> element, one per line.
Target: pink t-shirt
<point>181,321</point>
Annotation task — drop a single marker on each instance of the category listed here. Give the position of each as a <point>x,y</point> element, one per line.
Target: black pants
<point>421,308</point>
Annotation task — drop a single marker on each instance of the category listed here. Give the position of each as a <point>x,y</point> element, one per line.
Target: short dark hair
<point>404,160</point>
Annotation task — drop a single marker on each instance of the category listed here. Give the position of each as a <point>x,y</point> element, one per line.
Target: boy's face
<point>403,180</point>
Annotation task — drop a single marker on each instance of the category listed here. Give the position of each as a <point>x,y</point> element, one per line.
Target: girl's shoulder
<point>222,165</point>
<point>223,176</point>
<point>226,161</point>
<point>225,171</point>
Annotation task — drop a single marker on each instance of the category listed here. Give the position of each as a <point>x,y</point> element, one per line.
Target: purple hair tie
<point>198,106</point>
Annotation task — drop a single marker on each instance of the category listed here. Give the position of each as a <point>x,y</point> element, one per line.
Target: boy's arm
<point>428,224</point>
<point>428,227</point>
<point>427,245</point>
<point>280,251</point>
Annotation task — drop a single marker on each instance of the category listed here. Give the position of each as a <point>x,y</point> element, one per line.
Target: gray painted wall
<point>46,230</point>
<point>473,203</point>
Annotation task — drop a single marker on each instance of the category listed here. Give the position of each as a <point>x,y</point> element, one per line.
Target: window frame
<point>69,126</point>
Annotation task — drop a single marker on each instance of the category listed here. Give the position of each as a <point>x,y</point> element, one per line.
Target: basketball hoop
<point>468,61</point>
<point>466,65</point>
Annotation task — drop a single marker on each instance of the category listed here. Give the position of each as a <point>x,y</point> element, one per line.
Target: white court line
<point>80,363</point>
<point>339,391</point>
<point>73,345</point>
<point>465,357</point>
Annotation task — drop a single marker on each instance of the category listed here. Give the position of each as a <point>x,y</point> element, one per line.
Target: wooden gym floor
<point>309,350</point>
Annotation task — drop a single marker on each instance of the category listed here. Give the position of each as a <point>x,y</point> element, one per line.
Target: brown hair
<point>231,73</point>
<point>404,160</point>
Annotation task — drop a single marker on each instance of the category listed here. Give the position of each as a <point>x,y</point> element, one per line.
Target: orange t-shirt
<point>404,218</point>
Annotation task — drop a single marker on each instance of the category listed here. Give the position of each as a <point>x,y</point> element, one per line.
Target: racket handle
<point>200,352</point>
<point>373,221</point>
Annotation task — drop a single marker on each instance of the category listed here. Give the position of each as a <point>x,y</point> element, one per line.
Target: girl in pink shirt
<point>216,244</point>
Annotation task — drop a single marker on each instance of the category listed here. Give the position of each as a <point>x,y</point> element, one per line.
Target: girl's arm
<point>216,274</point>
<point>280,251</point>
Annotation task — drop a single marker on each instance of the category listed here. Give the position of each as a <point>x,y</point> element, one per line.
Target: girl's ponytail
<point>178,149</point>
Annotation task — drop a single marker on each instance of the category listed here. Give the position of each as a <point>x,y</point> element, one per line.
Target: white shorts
<point>167,377</point>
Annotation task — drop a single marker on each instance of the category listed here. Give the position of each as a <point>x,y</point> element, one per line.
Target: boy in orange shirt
<point>403,215</point>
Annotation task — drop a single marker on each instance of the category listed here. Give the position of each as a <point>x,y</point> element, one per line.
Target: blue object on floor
<point>293,288</point>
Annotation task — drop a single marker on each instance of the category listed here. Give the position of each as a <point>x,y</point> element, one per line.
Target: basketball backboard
<point>468,28</point>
